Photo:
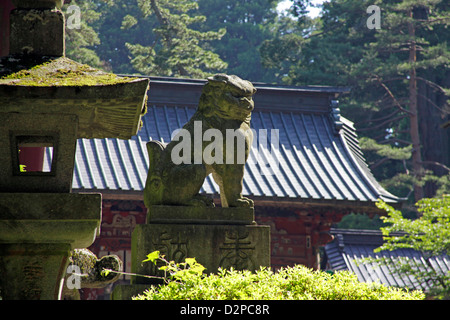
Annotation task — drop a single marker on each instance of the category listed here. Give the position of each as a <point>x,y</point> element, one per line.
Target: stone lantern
<point>47,102</point>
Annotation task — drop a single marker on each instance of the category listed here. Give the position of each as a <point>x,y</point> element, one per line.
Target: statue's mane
<point>213,90</point>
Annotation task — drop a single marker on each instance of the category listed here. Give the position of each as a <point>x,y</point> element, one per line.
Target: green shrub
<point>187,282</point>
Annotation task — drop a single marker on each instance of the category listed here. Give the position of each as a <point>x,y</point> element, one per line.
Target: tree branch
<point>383,123</point>
<point>435,163</point>
<point>397,104</point>
<point>165,23</point>
<point>395,140</point>
<point>431,84</point>
<point>380,119</point>
<point>162,21</point>
<point>433,104</point>
<point>379,162</point>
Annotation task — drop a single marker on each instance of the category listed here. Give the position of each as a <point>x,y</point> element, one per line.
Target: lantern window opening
<point>34,155</point>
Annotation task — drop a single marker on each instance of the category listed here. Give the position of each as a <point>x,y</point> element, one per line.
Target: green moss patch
<point>62,72</point>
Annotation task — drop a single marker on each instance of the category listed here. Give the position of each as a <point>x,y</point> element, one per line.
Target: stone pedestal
<point>37,270</point>
<point>37,233</point>
<point>215,237</point>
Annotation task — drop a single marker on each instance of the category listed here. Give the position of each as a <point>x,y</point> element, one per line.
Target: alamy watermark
<point>235,147</point>
<point>268,161</point>
<point>73,17</point>
<point>73,280</point>
<point>374,20</point>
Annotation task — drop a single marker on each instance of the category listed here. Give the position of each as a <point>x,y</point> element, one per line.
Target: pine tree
<point>82,39</point>
<point>178,49</point>
<point>400,56</point>
<point>383,67</point>
<point>248,24</point>
<point>121,21</point>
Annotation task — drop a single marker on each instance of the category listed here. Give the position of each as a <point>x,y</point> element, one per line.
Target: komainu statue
<point>217,140</point>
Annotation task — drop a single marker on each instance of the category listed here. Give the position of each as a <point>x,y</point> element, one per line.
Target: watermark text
<point>73,17</point>
<point>374,20</point>
<point>211,147</point>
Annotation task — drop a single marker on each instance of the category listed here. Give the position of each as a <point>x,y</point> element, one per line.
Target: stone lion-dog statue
<point>225,107</point>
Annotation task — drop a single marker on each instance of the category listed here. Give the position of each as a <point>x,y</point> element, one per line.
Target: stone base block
<point>214,246</point>
<point>32,271</point>
<point>72,218</point>
<point>215,237</point>
<point>200,215</point>
<point>37,233</point>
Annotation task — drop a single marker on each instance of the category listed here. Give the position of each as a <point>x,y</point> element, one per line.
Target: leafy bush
<point>428,235</point>
<point>186,281</point>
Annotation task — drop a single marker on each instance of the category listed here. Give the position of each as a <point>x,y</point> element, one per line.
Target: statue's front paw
<point>201,201</point>
<point>242,202</point>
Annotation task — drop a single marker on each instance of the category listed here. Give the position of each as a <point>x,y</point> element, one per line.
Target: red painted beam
<point>32,158</point>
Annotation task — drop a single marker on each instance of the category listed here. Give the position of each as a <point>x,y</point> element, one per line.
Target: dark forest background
<point>398,73</point>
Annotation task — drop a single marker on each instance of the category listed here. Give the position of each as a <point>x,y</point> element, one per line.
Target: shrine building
<point>320,172</point>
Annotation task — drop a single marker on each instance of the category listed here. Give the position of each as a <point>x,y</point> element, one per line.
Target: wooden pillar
<point>5,8</point>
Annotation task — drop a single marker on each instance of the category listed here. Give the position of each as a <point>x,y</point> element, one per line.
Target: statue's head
<point>227,97</point>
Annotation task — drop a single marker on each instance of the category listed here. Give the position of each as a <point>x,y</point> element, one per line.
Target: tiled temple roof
<point>319,156</point>
<point>350,245</point>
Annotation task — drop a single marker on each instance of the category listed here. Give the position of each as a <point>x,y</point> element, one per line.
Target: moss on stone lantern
<point>106,105</point>
<point>49,101</point>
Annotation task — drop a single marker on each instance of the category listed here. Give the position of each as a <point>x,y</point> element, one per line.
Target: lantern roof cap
<point>107,105</point>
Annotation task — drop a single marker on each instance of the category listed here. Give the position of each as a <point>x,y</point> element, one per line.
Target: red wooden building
<point>320,175</point>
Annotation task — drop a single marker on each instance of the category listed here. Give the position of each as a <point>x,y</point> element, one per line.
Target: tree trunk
<point>435,139</point>
<point>414,121</point>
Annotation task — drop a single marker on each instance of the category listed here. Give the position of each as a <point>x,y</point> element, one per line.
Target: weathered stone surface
<point>61,129</point>
<point>107,106</point>
<point>200,215</point>
<point>48,101</point>
<point>225,242</point>
<point>215,237</point>
<point>37,232</point>
<point>225,105</point>
<point>213,246</point>
<point>30,271</point>
<point>50,218</point>
<point>37,31</point>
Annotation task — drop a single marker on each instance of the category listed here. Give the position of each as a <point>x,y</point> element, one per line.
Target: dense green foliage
<point>247,24</point>
<point>360,221</point>
<point>291,283</point>
<point>177,49</point>
<point>81,42</point>
<point>429,235</point>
